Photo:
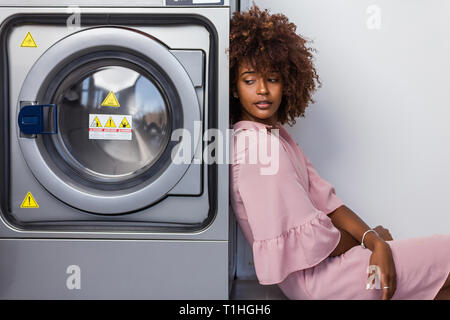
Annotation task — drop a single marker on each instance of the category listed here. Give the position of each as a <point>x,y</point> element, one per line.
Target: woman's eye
<point>273,80</point>
<point>249,81</point>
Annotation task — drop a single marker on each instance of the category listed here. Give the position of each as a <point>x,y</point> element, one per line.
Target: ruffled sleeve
<point>289,232</point>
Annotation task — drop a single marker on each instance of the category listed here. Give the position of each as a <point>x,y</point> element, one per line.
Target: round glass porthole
<point>126,97</point>
<point>136,98</point>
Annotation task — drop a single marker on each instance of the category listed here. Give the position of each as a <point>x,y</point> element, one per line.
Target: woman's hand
<point>382,257</point>
<point>383,233</point>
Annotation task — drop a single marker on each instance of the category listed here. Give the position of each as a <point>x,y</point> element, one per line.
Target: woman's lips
<point>263,104</point>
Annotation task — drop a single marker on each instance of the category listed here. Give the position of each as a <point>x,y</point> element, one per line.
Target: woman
<point>303,237</point>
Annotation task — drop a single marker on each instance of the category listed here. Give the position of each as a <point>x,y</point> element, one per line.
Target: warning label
<point>124,123</point>
<point>110,123</point>
<point>29,202</point>
<point>96,123</point>
<point>110,100</point>
<point>28,41</point>
<point>103,126</point>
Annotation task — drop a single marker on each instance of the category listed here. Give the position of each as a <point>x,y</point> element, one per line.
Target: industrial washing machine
<point>97,98</point>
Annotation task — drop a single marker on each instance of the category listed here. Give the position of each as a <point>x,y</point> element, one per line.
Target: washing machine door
<point>120,95</point>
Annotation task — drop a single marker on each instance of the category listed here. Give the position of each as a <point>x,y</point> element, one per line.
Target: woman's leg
<point>444,293</point>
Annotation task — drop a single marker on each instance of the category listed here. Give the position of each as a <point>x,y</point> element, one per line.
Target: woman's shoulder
<point>259,152</point>
<point>254,141</point>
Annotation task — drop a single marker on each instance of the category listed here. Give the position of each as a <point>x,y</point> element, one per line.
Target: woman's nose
<point>262,87</point>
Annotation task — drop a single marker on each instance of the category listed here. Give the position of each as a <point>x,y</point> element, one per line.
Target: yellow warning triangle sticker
<point>96,123</point>
<point>28,41</point>
<point>124,123</point>
<point>110,100</point>
<point>110,123</point>
<point>29,202</point>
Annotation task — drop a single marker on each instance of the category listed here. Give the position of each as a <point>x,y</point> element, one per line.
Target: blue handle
<point>31,119</point>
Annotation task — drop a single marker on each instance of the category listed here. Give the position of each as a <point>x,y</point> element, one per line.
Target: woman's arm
<point>345,243</point>
<point>345,219</point>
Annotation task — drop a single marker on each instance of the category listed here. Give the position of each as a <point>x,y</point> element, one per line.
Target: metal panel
<point>123,268</point>
<point>192,61</point>
<point>90,3</point>
<point>215,226</point>
<point>194,2</point>
<point>99,269</point>
<point>112,3</point>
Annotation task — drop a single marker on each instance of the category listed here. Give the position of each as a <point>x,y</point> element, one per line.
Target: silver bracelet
<point>362,241</point>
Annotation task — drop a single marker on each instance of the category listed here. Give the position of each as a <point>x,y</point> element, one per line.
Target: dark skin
<point>259,98</point>
<point>348,241</point>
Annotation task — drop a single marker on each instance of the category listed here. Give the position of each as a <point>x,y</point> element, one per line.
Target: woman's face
<point>260,97</point>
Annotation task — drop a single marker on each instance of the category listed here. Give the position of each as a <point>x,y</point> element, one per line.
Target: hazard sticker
<point>29,41</point>
<point>96,123</point>
<point>110,127</point>
<point>110,100</point>
<point>29,202</point>
<point>125,123</point>
<point>110,123</point>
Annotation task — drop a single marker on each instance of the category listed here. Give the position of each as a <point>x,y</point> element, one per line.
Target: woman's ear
<point>235,95</point>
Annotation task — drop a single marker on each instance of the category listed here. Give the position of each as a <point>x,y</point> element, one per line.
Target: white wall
<point>380,128</point>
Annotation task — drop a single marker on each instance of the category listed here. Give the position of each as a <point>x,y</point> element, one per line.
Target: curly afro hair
<point>270,43</point>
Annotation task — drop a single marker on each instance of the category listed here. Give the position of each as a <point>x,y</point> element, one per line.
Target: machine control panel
<point>194,2</point>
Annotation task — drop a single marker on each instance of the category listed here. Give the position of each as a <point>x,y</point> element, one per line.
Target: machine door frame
<point>59,179</point>
<point>123,20</point>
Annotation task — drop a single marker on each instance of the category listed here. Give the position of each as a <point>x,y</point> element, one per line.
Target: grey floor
<point>252,290</point>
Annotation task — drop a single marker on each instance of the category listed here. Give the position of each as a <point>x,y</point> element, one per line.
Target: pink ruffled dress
<point>282,209</point>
